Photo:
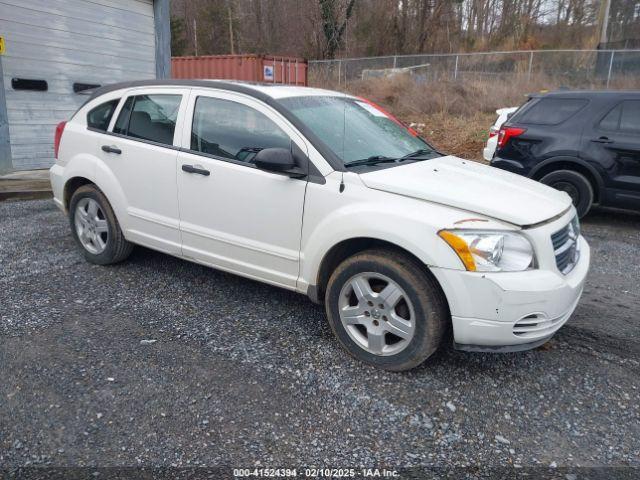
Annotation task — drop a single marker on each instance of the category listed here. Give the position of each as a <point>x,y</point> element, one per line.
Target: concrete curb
<point>29,184</point>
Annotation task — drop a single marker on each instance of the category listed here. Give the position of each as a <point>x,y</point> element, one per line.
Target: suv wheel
<point>575,184</point>
<point>386,310</point>
<point>95,227</point>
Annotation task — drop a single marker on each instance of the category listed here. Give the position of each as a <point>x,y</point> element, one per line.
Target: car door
<point>614,143</point>
<point>142,153</point>
<point>232,215</point>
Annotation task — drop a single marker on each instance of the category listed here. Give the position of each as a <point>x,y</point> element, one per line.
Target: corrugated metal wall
<point>62,42</point>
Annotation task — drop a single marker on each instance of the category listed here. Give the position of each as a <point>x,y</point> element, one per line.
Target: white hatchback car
<point>494,130</point>
<point>328,195</point>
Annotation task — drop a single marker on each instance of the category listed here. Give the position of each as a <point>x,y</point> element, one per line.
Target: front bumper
<point>511,311</point>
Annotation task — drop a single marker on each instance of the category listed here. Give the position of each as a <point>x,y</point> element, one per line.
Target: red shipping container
<point>251,68</point>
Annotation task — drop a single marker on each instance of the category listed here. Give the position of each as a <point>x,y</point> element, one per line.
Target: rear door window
<point>630,118</point>
<point>100,116</point>
<point>624,117</point>
<point>551,111</point>
<point>149,117</point>
<point>612,119</point>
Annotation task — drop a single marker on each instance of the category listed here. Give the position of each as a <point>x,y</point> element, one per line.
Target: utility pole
<point>605,9</point>
<point>230,27</point>
<point>195,36</point>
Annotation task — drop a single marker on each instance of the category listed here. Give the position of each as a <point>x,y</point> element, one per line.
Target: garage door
<point>67,42</point>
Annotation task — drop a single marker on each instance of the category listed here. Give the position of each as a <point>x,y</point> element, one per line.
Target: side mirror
<point>278,160</point>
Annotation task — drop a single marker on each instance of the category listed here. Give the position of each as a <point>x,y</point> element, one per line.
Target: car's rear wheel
<point>576,185</point>
<point>95,227</point>
<point>386,310</point>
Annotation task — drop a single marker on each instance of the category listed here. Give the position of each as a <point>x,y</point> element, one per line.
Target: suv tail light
<point>56,139</point>
<point>508,132</point>
<point>493,131</point>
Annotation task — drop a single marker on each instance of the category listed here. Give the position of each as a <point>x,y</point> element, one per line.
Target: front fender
<point>361,212</point>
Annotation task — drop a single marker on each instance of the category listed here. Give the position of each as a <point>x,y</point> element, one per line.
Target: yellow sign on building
<point>1,45</point>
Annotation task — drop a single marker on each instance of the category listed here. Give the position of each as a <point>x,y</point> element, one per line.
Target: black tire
<point>430,306</point>
<point>575,184</point>
<point>117,247</point>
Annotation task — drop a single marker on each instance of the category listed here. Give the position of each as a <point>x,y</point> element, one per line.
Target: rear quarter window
<point>551,111</point>
<point>100,116</point>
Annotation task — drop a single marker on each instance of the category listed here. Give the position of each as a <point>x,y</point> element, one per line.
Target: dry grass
<point>462,136</point>
<point>407,98</point>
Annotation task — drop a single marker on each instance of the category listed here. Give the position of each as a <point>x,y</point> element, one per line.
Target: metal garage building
<point>56,48</point>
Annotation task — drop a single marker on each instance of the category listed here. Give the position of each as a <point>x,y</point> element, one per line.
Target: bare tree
<point>334,23</point>
<point>331,28</point>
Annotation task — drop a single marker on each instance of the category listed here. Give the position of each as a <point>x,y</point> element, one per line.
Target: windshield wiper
<point>419,153</point>
<point>372,160</point>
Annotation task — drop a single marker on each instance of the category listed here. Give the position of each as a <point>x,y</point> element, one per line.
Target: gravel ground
<point>159,362</point>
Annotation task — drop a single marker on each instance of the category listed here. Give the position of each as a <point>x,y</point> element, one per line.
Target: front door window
<point>230,130</point>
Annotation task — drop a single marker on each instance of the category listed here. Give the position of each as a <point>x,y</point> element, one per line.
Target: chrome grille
<point>565,246</point>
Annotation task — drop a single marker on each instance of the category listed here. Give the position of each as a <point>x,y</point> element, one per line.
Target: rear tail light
<point>493,131</point>
<point>508,132</point>
<point>56,140</point>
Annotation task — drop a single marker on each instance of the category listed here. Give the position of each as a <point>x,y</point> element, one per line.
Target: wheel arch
<point>85,170</point>
<point>571,163</point>
<point>71,186</point>
<point>351,246</point>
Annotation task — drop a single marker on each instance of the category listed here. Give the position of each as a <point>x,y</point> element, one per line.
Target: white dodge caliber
<point>328,195</point>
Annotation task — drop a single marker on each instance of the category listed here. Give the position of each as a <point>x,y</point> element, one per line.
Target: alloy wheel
<point>91,226</point>
<point>377,313</point>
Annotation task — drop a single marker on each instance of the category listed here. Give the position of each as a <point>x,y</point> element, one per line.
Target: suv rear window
<point>551,111</point>
<point>100,116</point>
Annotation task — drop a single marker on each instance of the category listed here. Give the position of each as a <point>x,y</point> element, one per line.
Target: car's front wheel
<point>386,310</point>
<point>95,227</point>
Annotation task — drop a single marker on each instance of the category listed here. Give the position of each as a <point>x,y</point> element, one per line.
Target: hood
<point>473,187</point>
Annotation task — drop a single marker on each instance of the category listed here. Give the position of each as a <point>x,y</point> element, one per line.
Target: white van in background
<point>492,143</point>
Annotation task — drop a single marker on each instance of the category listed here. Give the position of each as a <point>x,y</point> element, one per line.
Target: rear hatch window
<point>549,111</point>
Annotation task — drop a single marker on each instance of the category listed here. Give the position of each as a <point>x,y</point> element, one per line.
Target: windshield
<point>357,130</point>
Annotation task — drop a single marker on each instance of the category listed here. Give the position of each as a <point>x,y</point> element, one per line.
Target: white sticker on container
<point>268,72</point>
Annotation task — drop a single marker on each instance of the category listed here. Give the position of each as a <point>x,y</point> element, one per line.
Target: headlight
<point>575,224</point>
<point>487,251</point>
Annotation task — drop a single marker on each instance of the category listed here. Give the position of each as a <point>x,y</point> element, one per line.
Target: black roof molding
<point>331,158</point>
<point>591,93</point>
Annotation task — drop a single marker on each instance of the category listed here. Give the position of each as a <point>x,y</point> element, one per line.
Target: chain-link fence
<point>575,68</point>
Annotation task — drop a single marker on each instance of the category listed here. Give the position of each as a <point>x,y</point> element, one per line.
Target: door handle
<point>108,149</point>
<point>601,140</point>
<point>197,170</point>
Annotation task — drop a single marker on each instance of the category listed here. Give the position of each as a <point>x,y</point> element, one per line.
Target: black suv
<point>586,143</point>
